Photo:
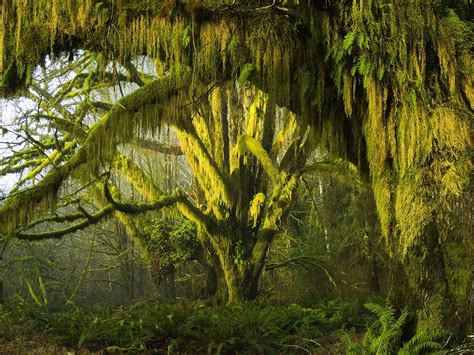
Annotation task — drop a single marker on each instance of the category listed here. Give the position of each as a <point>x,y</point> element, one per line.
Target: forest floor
<point>198,327</point>
<point>40,346</point>
<point>180,328</point>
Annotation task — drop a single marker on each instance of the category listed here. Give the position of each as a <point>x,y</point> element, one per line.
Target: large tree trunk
<point>242,284</point>
<point>242,276</point>
<point>434,286</point>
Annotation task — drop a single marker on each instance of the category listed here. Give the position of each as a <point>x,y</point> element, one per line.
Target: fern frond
<point>32,293</point>
<point>418,344</point>
<point>348,41</point>
<point>42,286</point>
<point>307,82</point>
<point>245,73</point>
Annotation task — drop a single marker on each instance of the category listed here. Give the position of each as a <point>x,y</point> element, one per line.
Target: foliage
<point>465,348</point>
<point>247,70</point>
<point>170,245</point>
<point>383,336</point>
<point>195,327</point>
<point>43,301</point>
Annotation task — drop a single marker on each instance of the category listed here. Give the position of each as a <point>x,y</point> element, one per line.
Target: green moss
<point>392,79</point>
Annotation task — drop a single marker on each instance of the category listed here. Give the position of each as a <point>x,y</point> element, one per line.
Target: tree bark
<point>210,288</point>
<point>242,277</point>
<point>242,284</point>
<point>370,230</point>
<point>428,283</point>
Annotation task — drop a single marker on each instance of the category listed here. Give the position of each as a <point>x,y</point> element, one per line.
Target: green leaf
<point>245,73</point>
<point>348,41</point>
<point>82,340</point>
<point>186,36</point>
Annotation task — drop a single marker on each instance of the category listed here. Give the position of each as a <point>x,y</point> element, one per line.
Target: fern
<point>32,293</point>
<point>186,36</point>
<point>245,73</point>
<point>42,287</point>
<point>307,83</point>
<point>348,41</point>
<point>383,334</point>
<point>233,44</point>
<point>420,342</point>
<point>385,330</point>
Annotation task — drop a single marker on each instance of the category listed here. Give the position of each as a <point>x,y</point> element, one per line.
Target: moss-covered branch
<point>56,219</point>
<point>250,144</point>
<point>130,171</point>
<point>157,147</point>
<point>211,177</point>
<point>126,220</point>
<point>144,110</point>
<point>90,220</point>
<point>136,208</point>
<point>344,171</point>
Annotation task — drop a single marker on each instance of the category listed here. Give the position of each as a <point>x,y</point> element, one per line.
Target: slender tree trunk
<point>372,267</point>
<point>170,282</point>
<point>370,222</point>
<point>210,287</point>
<point>210,268</point>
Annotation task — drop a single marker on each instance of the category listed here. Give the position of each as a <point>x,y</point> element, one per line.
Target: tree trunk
<point>372,267</point>
<point>242,261</point>
<point>210,266</point>
<point>170,284</point>
<point>241,285</point>
<point>1,285</point>
<point>434,287</point>
<point>370,222</point>
<point>210,288</point>
<point>242,278</point>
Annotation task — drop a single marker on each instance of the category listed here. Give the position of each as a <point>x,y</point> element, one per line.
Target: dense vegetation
<point>282,162</point>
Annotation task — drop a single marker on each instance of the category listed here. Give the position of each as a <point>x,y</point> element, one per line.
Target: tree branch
<point>253,146</point>
<point>136,208</point>
<point>91,219</point>
<point>103,137</point>
<point>148,144</point>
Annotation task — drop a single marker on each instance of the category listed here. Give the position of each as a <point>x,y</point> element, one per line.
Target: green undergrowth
<point>330,327</point>
<point>189,327</point>
<point>384,335</point>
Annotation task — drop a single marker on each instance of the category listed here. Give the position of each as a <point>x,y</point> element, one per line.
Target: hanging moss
<point>98,148</point>
<point>252,145</point>
<point>411,129</point>
<point>387,83</point>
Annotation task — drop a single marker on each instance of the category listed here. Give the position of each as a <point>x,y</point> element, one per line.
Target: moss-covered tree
<point>387,84</point>
<point>245,168</point>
